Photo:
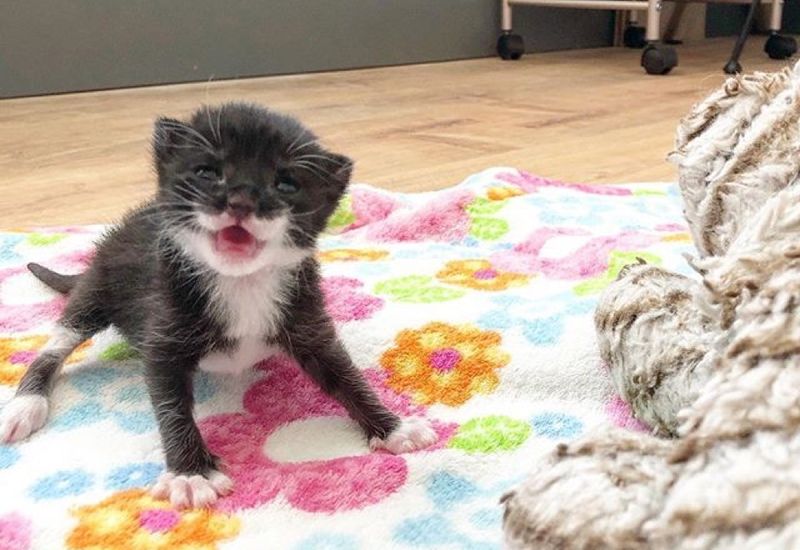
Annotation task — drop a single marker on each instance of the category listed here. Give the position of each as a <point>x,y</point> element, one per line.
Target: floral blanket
<point>471,306</point>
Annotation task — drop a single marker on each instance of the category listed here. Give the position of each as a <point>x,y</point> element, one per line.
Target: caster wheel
<point>659,59</point>
<point>510,46</point>
<point>634,37</point>
<point>732,67</point>
<point>780,47</point>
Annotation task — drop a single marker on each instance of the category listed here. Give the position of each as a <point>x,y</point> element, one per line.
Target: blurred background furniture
<point>659,56</point>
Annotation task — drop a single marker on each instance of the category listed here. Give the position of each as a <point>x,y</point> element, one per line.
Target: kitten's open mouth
<point>236,242</point>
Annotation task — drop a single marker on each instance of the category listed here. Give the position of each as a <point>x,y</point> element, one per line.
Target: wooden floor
<point>588,116</point>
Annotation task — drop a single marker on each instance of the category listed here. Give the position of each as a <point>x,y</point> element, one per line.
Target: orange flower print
<point>480,275</point>
<point>17,353</point>
<point>133,520</point>
<point>442,363</point>
<point>502,193</point>
<point>352,255</point>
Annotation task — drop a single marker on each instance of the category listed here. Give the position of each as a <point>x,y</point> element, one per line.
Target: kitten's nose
<point>240,206</point>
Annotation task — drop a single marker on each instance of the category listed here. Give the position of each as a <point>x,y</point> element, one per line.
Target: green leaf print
<point>417,289</point>
<point>491,434</point>
<point>616,261</point>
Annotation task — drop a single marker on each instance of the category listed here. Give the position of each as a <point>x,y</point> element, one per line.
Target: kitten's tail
<point>56,281</point>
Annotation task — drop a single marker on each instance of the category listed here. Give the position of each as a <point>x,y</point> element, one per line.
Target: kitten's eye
<point>207,172</point>
<point>286,185</point>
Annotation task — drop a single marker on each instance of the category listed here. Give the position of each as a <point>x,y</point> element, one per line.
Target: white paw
<point>22,416</point>
<point>411,435</point>
<point>192,491</point>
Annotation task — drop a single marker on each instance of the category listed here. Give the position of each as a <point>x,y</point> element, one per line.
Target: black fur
<point>143,281</point>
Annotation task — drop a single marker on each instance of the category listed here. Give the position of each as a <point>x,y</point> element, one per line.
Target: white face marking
<point>271,235</point>
<point>247,353</point>
<point>22,416</point>
<point>411,435</point>
<point>247,294</point>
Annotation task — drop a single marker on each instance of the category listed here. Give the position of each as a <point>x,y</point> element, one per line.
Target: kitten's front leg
<point>192,478</point>
<point>319,352</point>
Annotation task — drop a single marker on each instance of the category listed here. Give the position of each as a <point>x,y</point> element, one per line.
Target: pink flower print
<point>286,399</point>
<point>442,219</point>
<point>590,260</point>
<point>345,302</point>
<point>370,206</point>
<point>670,227</point>
<point>73,262</point>
<point>621,415</point>
<point>15,532</point>
<point>531,184</point>
<point>25,317</point>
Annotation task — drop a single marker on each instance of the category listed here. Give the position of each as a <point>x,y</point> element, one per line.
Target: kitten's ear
<point>168,135</point>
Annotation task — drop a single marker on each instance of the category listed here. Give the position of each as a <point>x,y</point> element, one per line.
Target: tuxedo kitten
<point>216,272</point>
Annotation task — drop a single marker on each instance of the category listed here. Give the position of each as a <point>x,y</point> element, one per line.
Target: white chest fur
<point>248,352</point>
<point>253,305</point>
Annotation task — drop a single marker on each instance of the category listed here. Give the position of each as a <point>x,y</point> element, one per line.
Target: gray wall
<point>61,46</point>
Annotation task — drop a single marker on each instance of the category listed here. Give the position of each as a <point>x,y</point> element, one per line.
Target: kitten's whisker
<point>310,156</point>
<point>186,129</point>
<point>315,169</point>
<point>219,128</point>
<point>293,147</point>
<point>306,214</point>
<point>208,116</point>
<point>189,191</point>
<point>192,145</point>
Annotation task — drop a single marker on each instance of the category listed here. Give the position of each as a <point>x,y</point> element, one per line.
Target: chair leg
<point>778,46</point>
<point>653,20</point>
<point>509,45</point>
<point>775,15</point>
<point>733,66</point>
<point>674,22</point>
<point>657,58</point>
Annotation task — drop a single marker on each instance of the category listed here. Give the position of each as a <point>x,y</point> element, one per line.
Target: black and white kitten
<point>216,272</point>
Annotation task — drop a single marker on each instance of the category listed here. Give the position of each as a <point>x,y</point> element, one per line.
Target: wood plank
<point>591,116</point>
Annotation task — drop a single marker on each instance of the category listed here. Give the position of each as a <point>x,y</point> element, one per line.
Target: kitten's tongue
<point>235,240</point>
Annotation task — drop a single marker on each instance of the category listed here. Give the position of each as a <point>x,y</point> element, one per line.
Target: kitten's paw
<point>411,435</point>
<point>22,416</point>
<point>192,491</point>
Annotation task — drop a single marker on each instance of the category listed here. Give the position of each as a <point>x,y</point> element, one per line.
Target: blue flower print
<point>141,474</point>
<point>461,517</point>
<point>556,425</point>
<point>118,393</point>
<point>541,321</point>
<point>61,484</point>
<point>8,456</point>
<point>328,541</point>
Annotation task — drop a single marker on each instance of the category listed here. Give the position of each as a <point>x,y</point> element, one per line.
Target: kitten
<point>216,272</point>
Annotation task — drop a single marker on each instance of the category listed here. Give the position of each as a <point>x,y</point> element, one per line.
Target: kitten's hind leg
<point>27,411</point>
